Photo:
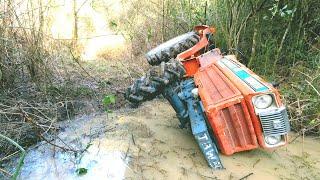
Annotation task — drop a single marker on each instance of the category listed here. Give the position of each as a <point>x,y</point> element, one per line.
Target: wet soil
<point>146,143</point>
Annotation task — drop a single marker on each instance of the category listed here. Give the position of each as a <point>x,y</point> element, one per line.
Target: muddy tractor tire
<point>154,81</point>
<point>170,49</point>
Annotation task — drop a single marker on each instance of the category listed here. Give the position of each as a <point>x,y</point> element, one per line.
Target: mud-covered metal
<point>275,122</point>
<point>199,126</point>
<point>171,94</point>
<point>154,81</point>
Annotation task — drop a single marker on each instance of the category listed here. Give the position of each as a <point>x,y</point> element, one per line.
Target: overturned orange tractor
<point>228,107</point>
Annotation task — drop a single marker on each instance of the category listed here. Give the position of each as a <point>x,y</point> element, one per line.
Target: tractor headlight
<point>272,140</point>
<point>263,101</point>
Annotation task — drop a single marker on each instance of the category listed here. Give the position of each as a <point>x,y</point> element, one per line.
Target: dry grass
<point>45,79</point>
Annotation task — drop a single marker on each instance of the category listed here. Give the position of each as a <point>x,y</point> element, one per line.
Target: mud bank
<point>146,143</point>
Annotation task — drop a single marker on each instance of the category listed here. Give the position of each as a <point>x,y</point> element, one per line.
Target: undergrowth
<point>279,38</point>
<point>44,80</point>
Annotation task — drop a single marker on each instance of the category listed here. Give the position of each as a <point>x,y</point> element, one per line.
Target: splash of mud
<point>146,143</point>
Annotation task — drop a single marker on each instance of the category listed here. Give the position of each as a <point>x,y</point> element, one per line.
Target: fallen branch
<point>246,176</point>
<point>23,154</point>
<point>304,130</point>
<point>55,145</point>
<point>9,156</point>
<point>134,142</point>
<point>313,88</point>
<point>5,172</point>
<point>27,119</point>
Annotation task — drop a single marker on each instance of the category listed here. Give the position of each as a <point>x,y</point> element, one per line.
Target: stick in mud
<point>246,176</point>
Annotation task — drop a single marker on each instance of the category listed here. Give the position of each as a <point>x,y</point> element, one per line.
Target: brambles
<point>302,96</point>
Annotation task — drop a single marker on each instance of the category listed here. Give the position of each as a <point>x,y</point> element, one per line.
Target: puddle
<point>101,160</point>
<point>60,165</point>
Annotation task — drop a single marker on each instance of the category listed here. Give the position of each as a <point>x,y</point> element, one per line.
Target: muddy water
<point>145,143</point>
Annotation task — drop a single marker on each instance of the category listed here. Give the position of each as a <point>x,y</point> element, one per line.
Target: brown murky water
<point>146,143</point>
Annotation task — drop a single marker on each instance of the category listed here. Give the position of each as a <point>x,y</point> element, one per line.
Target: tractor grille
<point>275,122</point>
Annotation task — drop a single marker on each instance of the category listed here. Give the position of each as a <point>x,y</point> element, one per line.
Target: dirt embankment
<point>146,143</point>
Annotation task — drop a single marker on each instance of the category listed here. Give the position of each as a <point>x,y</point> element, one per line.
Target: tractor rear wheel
<point>170,49</point>
<point>154,81</point>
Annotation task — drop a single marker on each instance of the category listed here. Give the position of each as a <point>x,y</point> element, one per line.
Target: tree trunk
<point>254,41</point>
<point>75,25</point>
